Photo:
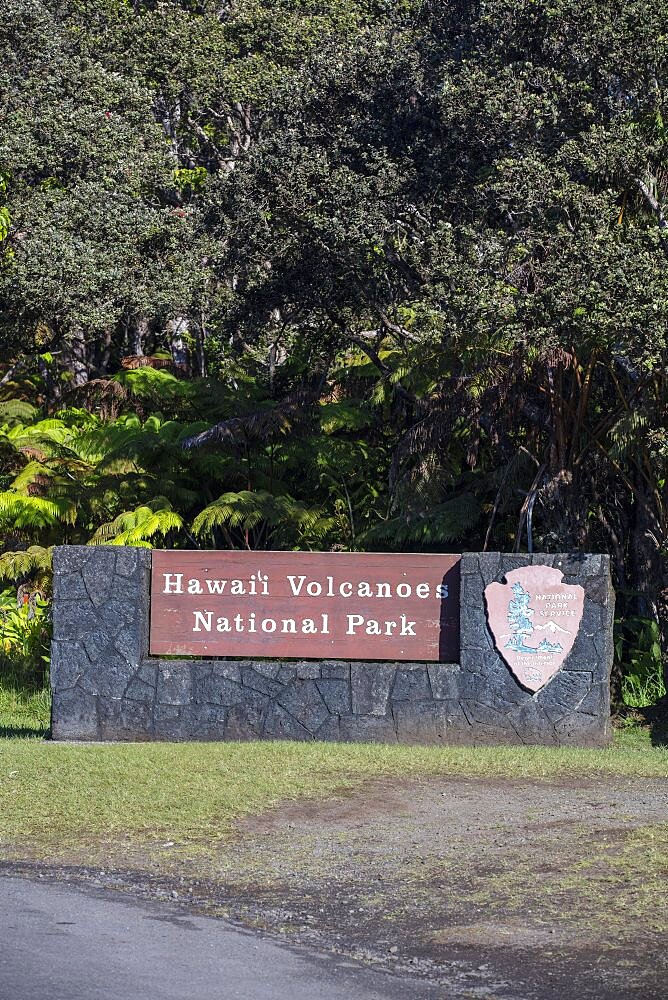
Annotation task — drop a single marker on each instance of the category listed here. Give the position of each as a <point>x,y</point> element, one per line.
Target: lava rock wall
<point>105,686</point>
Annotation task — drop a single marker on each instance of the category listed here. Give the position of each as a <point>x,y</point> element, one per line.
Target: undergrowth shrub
<point>25,635</point>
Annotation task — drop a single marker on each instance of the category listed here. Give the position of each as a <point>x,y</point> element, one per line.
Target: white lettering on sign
<point>554,597</point>
<point>373,627</point>
<point>206,622</point>
<point>258,585</point>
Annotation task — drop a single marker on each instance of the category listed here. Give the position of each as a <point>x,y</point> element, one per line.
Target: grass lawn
<point>54,796</point>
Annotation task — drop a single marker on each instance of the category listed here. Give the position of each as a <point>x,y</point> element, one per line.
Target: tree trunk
<point>105,352</point>
<point>75,356</point>
<point>177,328</point>
<point>139,336</point>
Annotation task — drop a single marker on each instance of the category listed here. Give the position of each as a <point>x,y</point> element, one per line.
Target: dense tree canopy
<point>389,275</point>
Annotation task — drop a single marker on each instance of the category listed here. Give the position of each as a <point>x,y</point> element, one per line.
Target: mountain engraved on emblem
<point>534,618</point>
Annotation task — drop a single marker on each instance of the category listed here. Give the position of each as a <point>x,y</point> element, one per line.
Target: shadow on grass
<point>29,732</point>
<point>656,719</point>
<point>642,727</point>
<point>25,711</point>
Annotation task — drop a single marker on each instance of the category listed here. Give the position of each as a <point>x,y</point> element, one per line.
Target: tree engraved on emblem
<point>534,618</point>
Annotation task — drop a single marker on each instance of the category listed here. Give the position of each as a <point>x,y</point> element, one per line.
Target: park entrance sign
<point>477,648</point>
<point>314,605</point>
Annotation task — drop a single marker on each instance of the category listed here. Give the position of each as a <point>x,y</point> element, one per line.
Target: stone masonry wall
<point>106,686</point>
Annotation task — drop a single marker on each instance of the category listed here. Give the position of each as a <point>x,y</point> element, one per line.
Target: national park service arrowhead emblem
<point>534,619</point>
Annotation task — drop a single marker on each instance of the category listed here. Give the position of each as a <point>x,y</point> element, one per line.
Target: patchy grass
<point>587,879</point>
<point>54,796</point>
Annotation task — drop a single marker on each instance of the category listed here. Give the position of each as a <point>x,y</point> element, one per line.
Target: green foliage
<point>33,512</point>
<point>444,523</point>
<point>638,648</point>
<point>140,527</point>
<point>24,712</point>
<point>33,563</point>
<point>25,634</point>
<point>260,520</point>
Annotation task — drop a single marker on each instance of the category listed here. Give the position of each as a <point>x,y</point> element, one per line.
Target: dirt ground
<point>487,889</point>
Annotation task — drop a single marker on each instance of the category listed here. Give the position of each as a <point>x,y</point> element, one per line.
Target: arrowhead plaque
<point>534,618</point>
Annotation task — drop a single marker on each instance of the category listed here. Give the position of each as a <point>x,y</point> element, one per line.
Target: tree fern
<point>17,411</point>
<point>260,519</point>
<point>445,523</point>
<point>32,512</point>
<point>34,562</point>
<point>140,527</point>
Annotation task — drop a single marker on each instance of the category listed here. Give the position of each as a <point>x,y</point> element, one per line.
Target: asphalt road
<point>57,943</point>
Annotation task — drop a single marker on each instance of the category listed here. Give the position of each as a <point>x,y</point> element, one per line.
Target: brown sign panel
<point>306,605</point>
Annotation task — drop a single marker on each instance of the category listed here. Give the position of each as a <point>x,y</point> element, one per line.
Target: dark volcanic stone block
<point>244,722</point>
<point>69,663</point>
<point>207,722</point>
<point>303,701</point>
<point>371,686</point>
<point>532,724</point>
<point>279,724</point>
<point>308,671</point>
<point>228,671</point>
<point>98,576</point>
<point>474,631</point>
<point>127,561</point>
<point>69,559</point>
<point>108,678</point>
<point>73,620</point>
<point>578,729</point>
<point>337,671</point>
<point>74,715</point>
<point>411,685</point>
<point>250,678</point>
<point>429,722</point>
<point>122,719</point>
<point>286,673</point>
<point>128,643</point>
<point>269,670</point>
<point>142,687</point>
<point>171,722</point>
<point>175,683</point>
<point>330,730</point>
<point>489,715</point>
<point>70,587</point>
<point>595,702</point>
<point>445,680</point>
<point>336,695</point>
<point>216,690</point>
<point>367,729</point>
<point>98,643</point>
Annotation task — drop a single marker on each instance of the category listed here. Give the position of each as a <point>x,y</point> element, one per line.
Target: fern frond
<point>15,412</point>
<point>34,561</point>
<point>35,512</point>
<point>444,523</point>
<point>138,527</point>
<point>249,510</point>
<point>625,432</point>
